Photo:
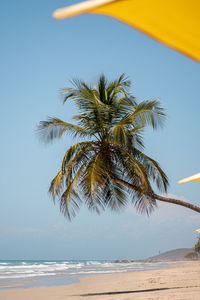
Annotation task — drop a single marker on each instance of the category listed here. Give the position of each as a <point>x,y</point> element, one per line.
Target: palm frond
<point>155,171</point>
<point>148,113</point>
<point>70,200</point>
<point>57,184</point>
<point>118,134</point>
<point>145,204</point>
<point>55,128</point>
<point>77,148</point>
<point>128,102</point>
<point>119,87</point>
<point>79,160</point>
<point>92,181</point>
<point>135,170</point>
<point>115,194</point>
<point>102,93</point>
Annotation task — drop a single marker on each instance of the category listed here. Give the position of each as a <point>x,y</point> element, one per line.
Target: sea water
<point>41,273</point>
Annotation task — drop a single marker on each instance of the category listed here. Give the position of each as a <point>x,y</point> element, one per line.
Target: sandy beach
<point>180,281</point>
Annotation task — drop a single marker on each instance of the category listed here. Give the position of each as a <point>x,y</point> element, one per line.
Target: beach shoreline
<point>178,281</point>
<point>34,274</point>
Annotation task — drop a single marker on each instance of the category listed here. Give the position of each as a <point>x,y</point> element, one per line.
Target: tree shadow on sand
<point>124,292</point>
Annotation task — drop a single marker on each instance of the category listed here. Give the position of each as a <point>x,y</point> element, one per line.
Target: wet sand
<point>179,282</point>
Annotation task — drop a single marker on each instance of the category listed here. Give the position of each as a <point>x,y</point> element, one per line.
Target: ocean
<point>43,273</point>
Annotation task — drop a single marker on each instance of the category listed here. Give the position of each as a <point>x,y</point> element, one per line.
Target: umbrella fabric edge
<point>195,177</point>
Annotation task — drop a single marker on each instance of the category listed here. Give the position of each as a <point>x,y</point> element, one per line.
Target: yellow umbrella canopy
<point>198,230</point>
<point>175,23</point>
<point>195,177</point>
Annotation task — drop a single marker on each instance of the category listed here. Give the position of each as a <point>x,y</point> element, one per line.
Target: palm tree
<point>108,168</point>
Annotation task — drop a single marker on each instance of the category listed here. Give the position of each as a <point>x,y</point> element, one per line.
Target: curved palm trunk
<point>178,202</point>
<point>160,198</point>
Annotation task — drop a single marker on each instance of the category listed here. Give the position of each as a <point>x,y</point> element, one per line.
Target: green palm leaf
<point>148,113</point>
<point>70,200</point>
<point>91,182</point>
<point>55,128</point>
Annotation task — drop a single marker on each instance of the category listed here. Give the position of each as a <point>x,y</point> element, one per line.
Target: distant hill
<point>173,255</point>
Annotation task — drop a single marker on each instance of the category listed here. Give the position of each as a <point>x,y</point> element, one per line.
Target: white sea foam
<point>28,269</point>
<point>26,276</point>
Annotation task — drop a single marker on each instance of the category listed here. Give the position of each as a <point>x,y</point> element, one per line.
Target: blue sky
<point>38,57</point>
